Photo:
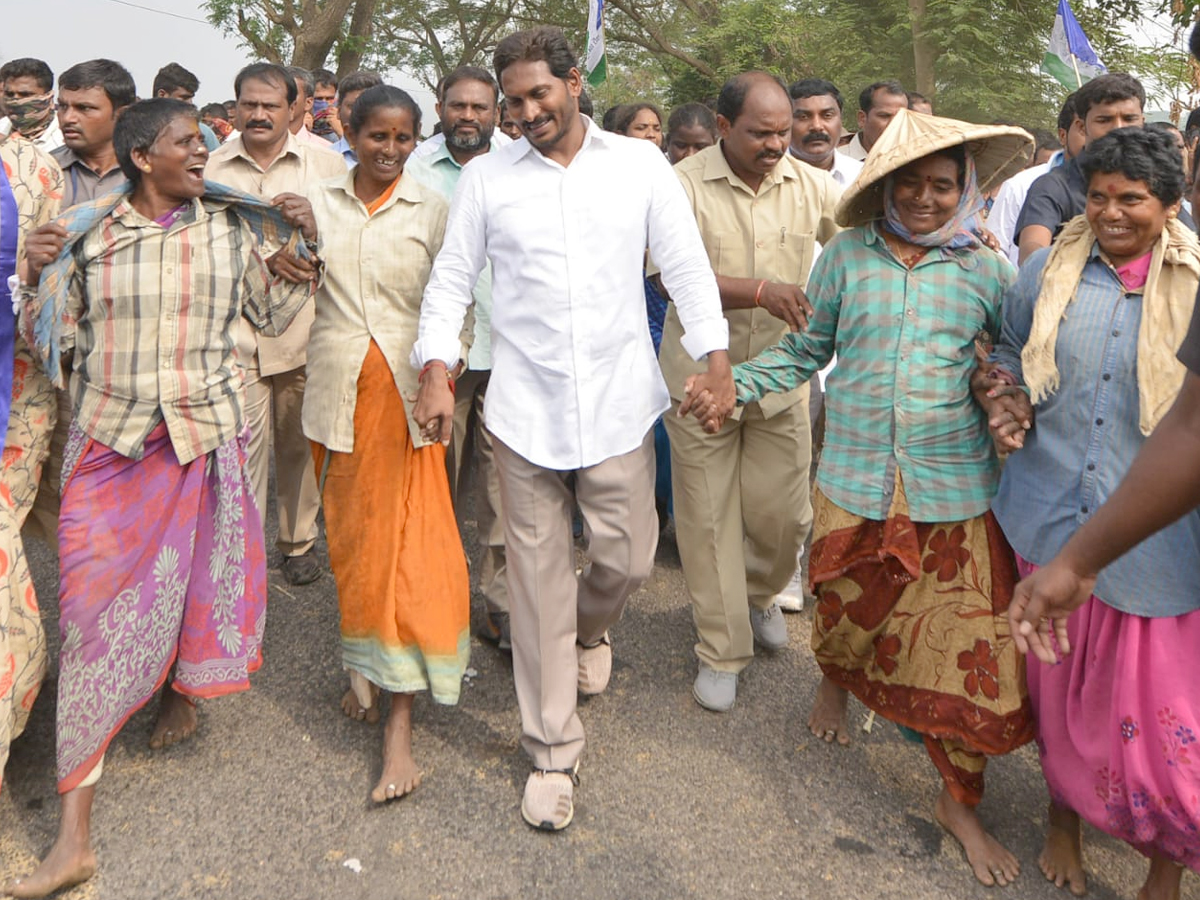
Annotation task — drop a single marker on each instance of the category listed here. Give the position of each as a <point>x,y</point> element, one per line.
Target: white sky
<point>64,32</point>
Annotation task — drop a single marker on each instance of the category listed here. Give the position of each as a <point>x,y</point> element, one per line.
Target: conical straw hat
<point>999,151</point>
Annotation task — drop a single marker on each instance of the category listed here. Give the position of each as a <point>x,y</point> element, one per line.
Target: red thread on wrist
<point>758,293</point>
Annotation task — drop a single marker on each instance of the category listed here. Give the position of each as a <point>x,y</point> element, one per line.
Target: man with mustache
<point>28,86</point>
<point>468,109</point>
<point>266,160</point>
<point>742,507</point>
<point>817,129</point>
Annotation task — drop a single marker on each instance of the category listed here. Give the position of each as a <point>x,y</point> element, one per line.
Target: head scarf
<point>958,232</point>
<point>30,116</point>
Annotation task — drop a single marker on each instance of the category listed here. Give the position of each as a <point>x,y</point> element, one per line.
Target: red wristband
<point>758,293</point>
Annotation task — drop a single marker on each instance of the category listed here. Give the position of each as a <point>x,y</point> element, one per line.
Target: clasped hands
<point>710,395</point>
<point>1007,407</point>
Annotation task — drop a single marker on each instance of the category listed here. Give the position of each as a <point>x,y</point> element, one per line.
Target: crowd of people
<point>886,373</point>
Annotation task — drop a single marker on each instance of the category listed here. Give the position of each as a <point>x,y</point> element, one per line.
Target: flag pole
<point>1078,80</point>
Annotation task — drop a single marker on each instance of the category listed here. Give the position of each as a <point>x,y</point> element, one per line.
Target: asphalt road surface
<point>269,800</point>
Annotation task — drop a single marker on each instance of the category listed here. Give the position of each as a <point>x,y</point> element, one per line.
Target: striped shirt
<point>900,395</point>
<point>156,312</point>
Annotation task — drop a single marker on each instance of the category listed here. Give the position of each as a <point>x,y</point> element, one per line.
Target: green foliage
<point>985,54</point>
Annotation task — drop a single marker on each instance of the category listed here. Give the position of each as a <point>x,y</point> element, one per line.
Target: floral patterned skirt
<point>1118,722</point>
<point>911,619</point>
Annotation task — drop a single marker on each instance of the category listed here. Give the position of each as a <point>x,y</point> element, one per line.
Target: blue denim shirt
<point>1083,441</point>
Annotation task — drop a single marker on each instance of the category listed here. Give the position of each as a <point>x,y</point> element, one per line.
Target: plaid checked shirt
<point>899,396</point>
<point>155,312</point>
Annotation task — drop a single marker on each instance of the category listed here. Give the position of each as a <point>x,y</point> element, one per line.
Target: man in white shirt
<point>565,217</point>
<point>817,129</point>
<point>467,109</point>
<point>877,106</point>
<point>1002,220</point>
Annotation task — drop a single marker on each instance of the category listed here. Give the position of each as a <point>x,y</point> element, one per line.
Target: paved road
<point>270,800</point>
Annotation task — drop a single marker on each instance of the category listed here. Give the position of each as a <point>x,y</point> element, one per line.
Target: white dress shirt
<point>1002,220</point>
<point>574,377</point>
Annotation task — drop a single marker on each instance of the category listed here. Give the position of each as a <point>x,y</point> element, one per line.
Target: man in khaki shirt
<point>742,507</point>
<point>267,160</point>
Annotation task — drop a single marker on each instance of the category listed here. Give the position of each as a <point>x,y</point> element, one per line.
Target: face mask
<point>323,113</point>
<point>31,115</point>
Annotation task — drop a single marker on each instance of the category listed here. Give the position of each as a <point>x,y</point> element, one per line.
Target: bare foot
<point>355,710</point>
<point>828,717</point>
<point>1163,881</point>
<point>71,860</point>
<point>992,864</point>
<point>1062,857</point>
<point>176,719</point>
<point>400,773</point>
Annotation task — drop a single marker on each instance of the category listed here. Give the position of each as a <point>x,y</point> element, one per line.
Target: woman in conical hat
<point>912,573</point>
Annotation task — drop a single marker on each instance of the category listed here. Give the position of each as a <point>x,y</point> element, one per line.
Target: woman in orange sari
<point>393,542</point>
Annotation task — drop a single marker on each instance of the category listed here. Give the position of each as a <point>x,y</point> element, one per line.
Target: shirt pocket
<point>794,256</point>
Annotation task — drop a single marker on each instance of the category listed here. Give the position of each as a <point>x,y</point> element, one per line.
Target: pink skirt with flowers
<point>1119,723</point>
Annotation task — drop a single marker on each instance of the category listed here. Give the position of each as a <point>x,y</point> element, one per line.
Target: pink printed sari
<point>162,565</point>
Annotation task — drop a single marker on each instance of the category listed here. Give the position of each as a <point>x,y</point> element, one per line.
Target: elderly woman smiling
<point>1090,331</point>
<point>912,573</point>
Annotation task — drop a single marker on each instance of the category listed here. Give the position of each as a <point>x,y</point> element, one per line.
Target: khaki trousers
<point>273,404</point>
<point>471,438</point>
<point>742,513</point>
<point>550,606</point>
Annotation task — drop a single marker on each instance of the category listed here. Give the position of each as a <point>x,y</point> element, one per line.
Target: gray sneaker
<point>715,690</point>
<point>768,626</point>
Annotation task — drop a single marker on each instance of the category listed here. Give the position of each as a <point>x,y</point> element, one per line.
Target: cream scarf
<point>1167,302</point>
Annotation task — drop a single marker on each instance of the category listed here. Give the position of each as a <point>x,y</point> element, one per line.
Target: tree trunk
<point>924,53</point>
<point>350,53</point>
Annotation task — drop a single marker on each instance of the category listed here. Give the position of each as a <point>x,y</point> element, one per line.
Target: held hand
<point>434,411</point>
<point>1010,415</point>
<point>42,247</point>
<point>297,212</point>
<point>291,268</point>
<point>988,239</point>
<point>710,396</point>
<point>1041,603</point>
<point>787,302</point>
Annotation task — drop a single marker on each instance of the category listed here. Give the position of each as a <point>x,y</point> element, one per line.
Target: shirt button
<point>1083,509</point>
<point>1091,467</point>
<point>909,313</point>
<point>166,364</point>
<point>758,244</point>
<point>1117,332</point>
<point>1107,377</point>
<point>1099,421</point>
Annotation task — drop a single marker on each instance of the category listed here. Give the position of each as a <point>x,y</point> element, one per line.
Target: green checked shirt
<point>900,394</point>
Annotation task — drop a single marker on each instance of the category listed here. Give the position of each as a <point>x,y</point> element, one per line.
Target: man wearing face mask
<point>29,103</point>
<point>817,129</point>
<point>742,507</point>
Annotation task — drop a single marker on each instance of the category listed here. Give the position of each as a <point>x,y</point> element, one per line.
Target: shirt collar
<point>592,134</point>
<point>131,218</point>
<point>408,189</point>
<point>291,147</point>
<point>441,153</point>
<point>66,157</point>
<point>716,167</point>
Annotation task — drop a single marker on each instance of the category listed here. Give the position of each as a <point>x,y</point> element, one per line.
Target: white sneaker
<point>791,598</point>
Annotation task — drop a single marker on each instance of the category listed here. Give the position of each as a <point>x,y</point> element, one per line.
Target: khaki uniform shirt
<point>375,273</point>
<point>297,170</point>
<point>769,235</point>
